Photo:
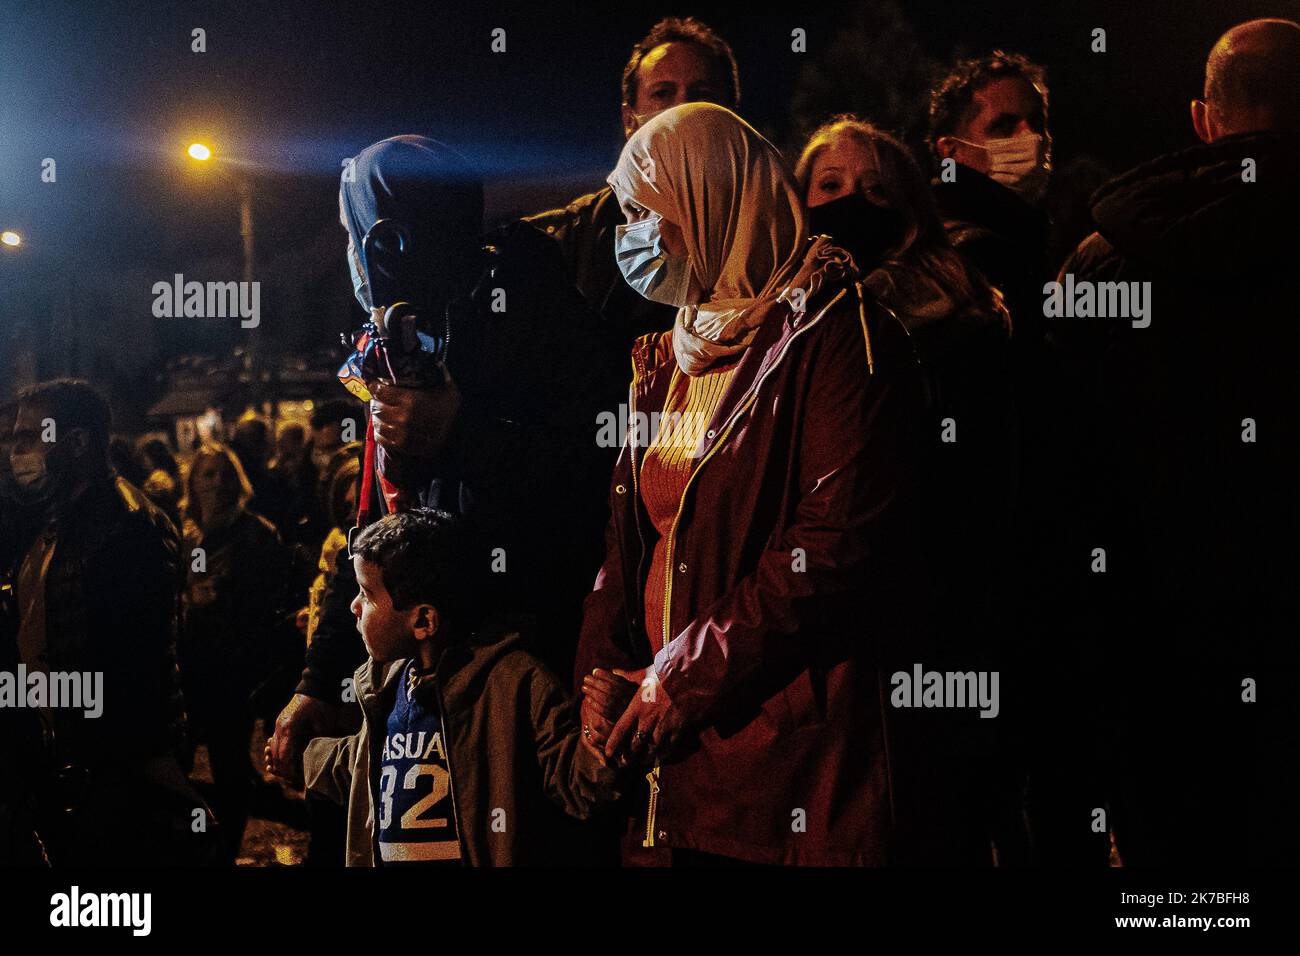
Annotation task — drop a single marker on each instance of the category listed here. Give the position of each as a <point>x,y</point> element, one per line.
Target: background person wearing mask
<point>678,61</point>
<point>1197,507</point>
<point>865,190</point>
<point>758,672</point>
<point>989,116</point>
<point>95,586</point>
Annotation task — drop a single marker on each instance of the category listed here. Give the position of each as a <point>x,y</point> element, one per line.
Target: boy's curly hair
<point>422,555</point>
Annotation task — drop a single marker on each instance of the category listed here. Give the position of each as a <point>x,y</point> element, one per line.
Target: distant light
<point>11,238</point>
<point>200,152</point>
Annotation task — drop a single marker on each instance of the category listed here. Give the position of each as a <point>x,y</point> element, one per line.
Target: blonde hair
<point>234,489</point>
<point>925,248</point>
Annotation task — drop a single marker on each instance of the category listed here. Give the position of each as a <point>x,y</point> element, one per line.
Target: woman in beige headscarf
<point>757,519</point>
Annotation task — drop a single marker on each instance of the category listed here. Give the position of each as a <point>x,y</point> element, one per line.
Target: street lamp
<point>254,359</point>
<point>11,238</point>
<point>201,153</point>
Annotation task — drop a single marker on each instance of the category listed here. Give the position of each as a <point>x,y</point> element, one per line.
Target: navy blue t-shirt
<point>417,824</point>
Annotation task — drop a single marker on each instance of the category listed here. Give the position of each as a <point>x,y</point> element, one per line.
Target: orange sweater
<point>667,467</point>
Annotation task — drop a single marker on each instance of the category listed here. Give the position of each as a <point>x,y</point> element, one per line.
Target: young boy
<point>467,744</point>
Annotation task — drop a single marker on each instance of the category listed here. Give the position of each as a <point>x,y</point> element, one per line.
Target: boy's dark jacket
<point>512,741</point>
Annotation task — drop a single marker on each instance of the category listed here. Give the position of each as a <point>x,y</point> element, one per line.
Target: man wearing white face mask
<point>989,116</point>
<point>95,570</point>
<point>992,150</point>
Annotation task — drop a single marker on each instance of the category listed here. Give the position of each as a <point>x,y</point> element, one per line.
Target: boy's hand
<point>604,698</point>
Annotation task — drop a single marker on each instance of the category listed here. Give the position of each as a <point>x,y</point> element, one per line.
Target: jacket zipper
<point>451,777</point>
<point>750,398</point>
<point>637,373</point>
<point>372,783</point>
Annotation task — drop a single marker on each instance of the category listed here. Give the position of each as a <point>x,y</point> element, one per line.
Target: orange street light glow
<point>200,152</point>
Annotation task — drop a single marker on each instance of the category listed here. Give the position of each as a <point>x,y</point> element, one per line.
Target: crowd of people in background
<point>224,629</point>
<point>907,462</point>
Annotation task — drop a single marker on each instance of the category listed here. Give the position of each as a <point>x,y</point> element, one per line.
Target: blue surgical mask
<point>360,288</point>
<point>648,267</point>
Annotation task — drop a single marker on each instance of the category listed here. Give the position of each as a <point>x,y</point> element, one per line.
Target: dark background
<point>287,89</point>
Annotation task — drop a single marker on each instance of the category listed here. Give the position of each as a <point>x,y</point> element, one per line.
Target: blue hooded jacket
<point>437,198</point>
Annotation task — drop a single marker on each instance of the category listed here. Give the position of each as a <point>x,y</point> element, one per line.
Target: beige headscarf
<point>711,174</point>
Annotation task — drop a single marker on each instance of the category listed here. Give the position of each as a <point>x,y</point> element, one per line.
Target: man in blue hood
<point>491,417</point>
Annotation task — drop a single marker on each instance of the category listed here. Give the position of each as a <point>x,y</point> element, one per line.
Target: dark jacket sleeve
<point>575,781</point>
<point>131,591</point>
<point>601,642</point>
<point>574,229</point>
<point>524,448</point>
<point>336,650</point>
<point>328,764</point>
<point>852,459</point>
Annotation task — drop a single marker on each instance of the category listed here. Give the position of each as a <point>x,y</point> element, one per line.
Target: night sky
<point>287,89</point>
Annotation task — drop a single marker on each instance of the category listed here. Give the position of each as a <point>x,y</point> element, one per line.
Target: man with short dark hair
<point>95,585</point>
<point>989,137</point>
<point>1191,463</point>
<point>678,61</point>
<point>989,117</point>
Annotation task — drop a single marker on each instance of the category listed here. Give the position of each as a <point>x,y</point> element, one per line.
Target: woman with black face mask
<point>865,191</point>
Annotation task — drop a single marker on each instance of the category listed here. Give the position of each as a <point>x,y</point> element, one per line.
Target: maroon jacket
<point>789,564</point>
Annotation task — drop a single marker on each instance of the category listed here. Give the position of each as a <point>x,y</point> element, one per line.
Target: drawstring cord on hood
<point>866,334</point>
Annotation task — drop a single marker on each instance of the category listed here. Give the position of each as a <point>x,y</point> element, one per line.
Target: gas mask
<point>1022,163</point>
<point>360,287</point>
<point>648,268</point>
<point>399,344</point>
